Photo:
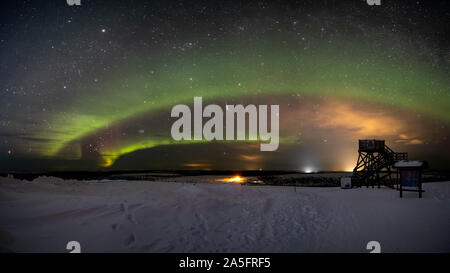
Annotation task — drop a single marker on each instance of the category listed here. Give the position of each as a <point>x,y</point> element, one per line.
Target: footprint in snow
<point>124,207</point>
<point>130,241</point>
<point>130,217</point>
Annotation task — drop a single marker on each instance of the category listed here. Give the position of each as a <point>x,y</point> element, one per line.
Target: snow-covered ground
<point>139,216</point>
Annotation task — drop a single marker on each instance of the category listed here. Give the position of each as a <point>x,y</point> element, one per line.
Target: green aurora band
<point>279,66</point>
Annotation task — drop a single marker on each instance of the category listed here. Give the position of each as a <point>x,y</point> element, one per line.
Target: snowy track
<point>139,216</point>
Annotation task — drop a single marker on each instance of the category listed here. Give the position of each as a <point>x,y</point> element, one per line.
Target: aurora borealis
<point>91,87</point>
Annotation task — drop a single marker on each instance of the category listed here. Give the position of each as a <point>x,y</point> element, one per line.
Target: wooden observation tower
<point>375,163</point>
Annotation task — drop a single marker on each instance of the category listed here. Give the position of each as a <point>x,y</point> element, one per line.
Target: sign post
<point>410,176</point>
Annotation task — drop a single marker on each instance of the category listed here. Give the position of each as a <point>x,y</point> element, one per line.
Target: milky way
<point>91,87</point>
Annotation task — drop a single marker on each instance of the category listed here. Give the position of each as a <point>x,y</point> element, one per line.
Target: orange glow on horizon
<point>196,165</point>
<point>234,179</point>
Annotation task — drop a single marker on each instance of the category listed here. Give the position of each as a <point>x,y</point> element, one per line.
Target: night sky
<point>91,87</point>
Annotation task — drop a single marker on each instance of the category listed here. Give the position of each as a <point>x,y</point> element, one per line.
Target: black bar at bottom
<point>220,262</point>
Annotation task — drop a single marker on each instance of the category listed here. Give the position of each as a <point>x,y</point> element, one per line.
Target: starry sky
<point>91,87</point>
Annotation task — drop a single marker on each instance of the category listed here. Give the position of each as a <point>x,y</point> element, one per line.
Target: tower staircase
<point>375,163</point>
